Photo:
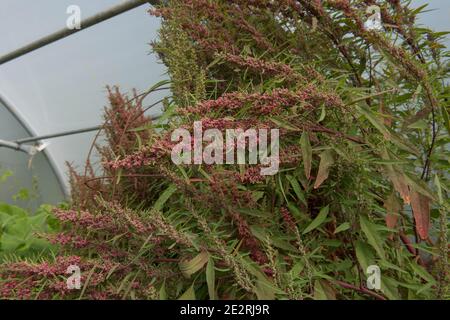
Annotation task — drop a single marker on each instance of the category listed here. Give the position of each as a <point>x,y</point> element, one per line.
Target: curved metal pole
<point>14,112</point>
<point>14,146</point>
<point>89,22</point>
<point>56,135</point>
<point>62,134</point>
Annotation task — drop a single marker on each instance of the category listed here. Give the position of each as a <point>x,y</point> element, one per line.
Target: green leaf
<point>446,118</point>
<point>264,291</point>
<point>283,124</point>
<point>162,291</point>
<point>296,270</point>
<point>262,235</point>
<point>189,294</point>
<point>342,227</point>
<point>387,134</point>
<point>168,112</point>
<point>419,9</point>
<point>5,175</point>
<point>386,264</point>
<point>326,160</point>
<point>420,186</point>
<point>421,124</point>
<point>297,189</point>
<point>188,268</point>
<point>211,279</point>
<point>375,121</point>
<point>11,243</point>
<point>364,254</point>
<point>421,272</point>
<point>299,215</point>
<point>437,183</point>
<point>306,153</point>
<point>372,235</point>
<point>323,113</point>
<point>389,288</point>
<point>158,85</point>
<point>317,221</point>
<point>159,204</point>
<point>425,288</point>
<point>323,291</point>
<point>12,210</point>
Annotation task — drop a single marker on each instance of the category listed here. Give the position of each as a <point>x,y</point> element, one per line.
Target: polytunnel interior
<point>25,179</point>
<point>61,86</point>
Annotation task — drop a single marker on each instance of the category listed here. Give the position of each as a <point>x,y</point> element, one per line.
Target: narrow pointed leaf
<point>364,254</point>
<point>323,291</point>
<point>306,153</point>
<point>420,205</point>
<point>437,183</point>
<point>398,179</point>
<point>297,189</point>
<point>318,220</point>
<point>374,120</point>
<point>159,204</point>
<point>326,161</point>
<point>393,207</point>
<point>372,235</point>
<point>211,279</point>
<point>188,268</point>
<point>342,227</point>
<point>189,294</point>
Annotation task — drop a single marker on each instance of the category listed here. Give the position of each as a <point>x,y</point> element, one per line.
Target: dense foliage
<point>19,232</point>
<point>363,180</point>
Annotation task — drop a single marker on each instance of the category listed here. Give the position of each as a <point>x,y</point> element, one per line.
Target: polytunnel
<point>52,85</point>
<point>292,150</point>
<point>53,78</point>
<point>20,170</point>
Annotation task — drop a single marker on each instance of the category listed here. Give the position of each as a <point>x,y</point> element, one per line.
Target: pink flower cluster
<point>66,239</point>
<point>21,290</point>
<point>266,103</point>
<point>268,68</point>
<point>84,219</point>
<point>288,219</point>
<point>129,216</point>
<point>45,269</point>
<point>55,274</point>
<point>144,157</point>
<point>252,175</point>
<point>135,160</point>
<point>224,123</point>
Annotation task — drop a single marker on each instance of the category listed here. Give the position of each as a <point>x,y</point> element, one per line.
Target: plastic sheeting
<point>25,181</point>
<point>62,86</point>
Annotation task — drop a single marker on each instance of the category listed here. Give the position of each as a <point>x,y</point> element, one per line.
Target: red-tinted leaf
<point>421,208</point>
<point>393,207</point>
<point>326,160</point>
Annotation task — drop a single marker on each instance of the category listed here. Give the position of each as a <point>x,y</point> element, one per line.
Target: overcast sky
<point>62,86</point>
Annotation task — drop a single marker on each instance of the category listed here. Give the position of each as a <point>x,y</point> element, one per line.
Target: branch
<point>411,249</point>
<point>359,289</point>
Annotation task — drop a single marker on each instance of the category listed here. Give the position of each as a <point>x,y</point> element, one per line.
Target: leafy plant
<point>18,232</point>
<point>363,179</point>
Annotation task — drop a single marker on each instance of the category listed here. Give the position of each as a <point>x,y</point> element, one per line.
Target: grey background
<point>62,86</point>
<point>37,177</point>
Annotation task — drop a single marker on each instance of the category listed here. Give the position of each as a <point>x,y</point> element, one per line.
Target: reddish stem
<point>359,289</point>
